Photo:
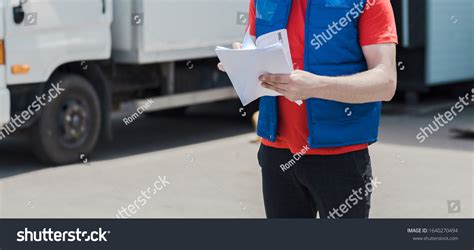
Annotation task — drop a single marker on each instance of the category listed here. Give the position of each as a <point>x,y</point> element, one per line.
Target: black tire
<point>68,126</point>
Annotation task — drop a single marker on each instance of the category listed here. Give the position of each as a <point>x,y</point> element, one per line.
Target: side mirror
<point>18,12</point>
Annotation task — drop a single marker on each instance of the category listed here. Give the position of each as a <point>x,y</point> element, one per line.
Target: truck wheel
<point>68,126</point>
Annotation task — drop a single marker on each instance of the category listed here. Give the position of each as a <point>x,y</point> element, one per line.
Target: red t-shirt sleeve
<point>252,18</point>
<point>377,23</point>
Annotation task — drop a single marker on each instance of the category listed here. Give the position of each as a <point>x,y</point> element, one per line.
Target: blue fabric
<point>327,53</point>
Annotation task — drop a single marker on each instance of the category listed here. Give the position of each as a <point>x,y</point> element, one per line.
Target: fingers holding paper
<point>299,85</point>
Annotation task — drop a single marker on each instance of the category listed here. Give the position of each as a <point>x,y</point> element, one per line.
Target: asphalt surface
<point>209,159</point>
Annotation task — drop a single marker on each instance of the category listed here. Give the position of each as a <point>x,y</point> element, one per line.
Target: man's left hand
<point>299,85</point>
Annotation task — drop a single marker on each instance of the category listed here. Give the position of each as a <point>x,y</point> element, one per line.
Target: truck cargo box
<point>150,31</point>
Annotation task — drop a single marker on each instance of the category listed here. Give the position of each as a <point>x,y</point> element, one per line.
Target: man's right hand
<point>235,45</point>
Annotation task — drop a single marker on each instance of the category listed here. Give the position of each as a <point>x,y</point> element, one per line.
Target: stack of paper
<point>270,55</point>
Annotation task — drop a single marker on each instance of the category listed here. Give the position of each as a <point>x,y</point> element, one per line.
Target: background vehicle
<point>105,53</point>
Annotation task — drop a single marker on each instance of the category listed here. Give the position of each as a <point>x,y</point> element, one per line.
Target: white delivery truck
<point>101,53</point>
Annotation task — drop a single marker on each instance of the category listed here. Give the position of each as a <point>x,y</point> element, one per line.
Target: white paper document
<point>271,54</point>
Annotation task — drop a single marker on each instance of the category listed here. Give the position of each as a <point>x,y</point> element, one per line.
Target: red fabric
<point>377,25</point>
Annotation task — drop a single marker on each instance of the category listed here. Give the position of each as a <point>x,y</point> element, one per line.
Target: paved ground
<point>210,161</point>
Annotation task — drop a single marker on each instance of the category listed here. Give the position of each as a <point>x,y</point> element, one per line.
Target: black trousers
<point>296,186</point>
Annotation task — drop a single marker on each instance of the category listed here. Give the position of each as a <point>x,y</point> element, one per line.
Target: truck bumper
<point>4,106</point>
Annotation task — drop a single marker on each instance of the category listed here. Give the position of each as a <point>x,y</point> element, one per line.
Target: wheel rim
<point>74,122</point>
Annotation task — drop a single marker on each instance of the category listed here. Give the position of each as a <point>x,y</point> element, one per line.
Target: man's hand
<point>379,83</point>
<point>235,45</point>
<point>299,85</point>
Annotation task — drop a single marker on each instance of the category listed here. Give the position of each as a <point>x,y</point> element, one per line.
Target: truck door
<point>44,34</point>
